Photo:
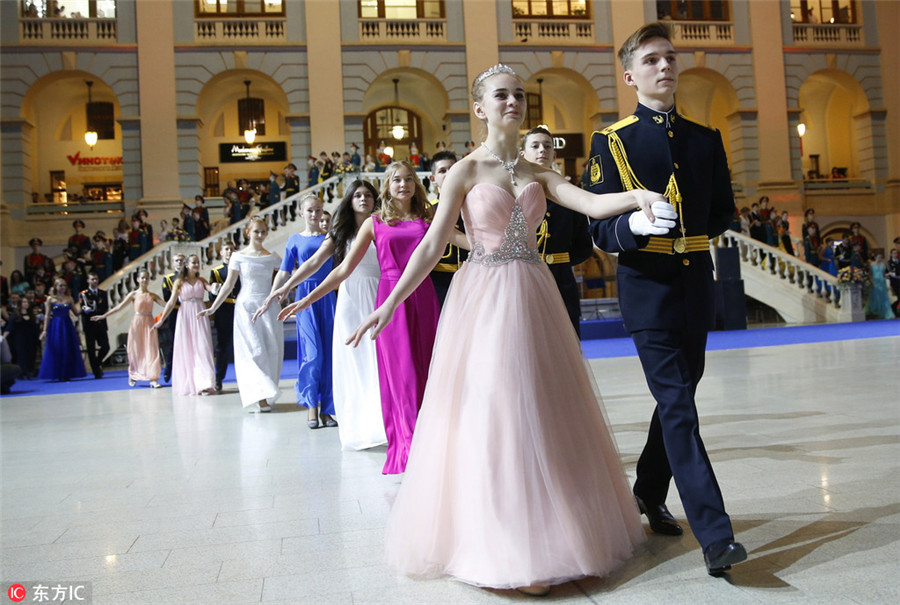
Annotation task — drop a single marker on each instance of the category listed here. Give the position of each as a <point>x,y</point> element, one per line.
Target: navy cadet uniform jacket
<point>450,262</point>
<point>224,321</point>
<point>664,290</point>
<point>563,241</point>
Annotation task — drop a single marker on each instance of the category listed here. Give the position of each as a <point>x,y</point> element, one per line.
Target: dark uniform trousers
<point>224,323</point>
<point>96,333</point>
<point>666,296</point>
<point>167,333</point>
<point>450,262</point>
<point>563,241</point>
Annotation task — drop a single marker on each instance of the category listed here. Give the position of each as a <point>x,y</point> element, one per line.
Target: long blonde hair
<point>418,207</point>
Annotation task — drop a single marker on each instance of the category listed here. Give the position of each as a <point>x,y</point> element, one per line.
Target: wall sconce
<point>801,130</point>
<point>250,134</point>
<point>90,135</point>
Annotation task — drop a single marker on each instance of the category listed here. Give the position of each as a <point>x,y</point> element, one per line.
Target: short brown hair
<point>634,41</point>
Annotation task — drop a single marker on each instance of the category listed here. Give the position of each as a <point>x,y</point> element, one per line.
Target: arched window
<point>385,124</point>
<point>101,117</point>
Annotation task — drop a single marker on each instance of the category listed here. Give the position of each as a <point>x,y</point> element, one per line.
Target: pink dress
<point>404,346</point>
<point>513,476</point>
<point>143,343</point>
<point>193,368</point>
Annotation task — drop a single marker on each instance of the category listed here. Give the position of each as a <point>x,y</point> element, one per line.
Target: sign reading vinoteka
<point>95,163</point>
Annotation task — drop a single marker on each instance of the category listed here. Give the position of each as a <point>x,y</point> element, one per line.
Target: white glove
<point>665,219</point>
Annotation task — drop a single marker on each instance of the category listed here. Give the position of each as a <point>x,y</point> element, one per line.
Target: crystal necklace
<point>510,166</point>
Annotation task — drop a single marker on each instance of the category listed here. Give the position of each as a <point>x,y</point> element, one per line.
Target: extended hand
<point>156,325</point>
<point>377,321</point>
<point>205,313</point>
<point>98,318</point>
<point>265,307</point>
<point>663,214</point>
<point>294,308</point>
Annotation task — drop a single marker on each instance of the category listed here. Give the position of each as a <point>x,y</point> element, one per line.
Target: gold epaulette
<point>697,123</point>
<point>620,124</point>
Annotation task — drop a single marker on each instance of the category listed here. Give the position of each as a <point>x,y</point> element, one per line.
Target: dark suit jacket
<point>100,305</point>
<point>665,291</point>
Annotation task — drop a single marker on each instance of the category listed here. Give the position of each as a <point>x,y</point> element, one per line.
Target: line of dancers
<point>512,478</point>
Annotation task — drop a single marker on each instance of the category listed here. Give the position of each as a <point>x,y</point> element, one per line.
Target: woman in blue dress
<point>62,351</point>
<point>315,326</point>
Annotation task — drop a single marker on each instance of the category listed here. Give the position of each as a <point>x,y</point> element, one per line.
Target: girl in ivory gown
<point>513,478</point>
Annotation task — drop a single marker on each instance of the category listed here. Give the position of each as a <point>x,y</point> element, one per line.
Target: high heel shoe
<point>535,590</point>
<point>155,385</point>
<point>312,423</point>
<point>328,420</point>
<point>131,382</point>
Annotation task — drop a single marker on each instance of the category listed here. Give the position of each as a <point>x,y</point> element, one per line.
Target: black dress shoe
<point>661,520</point>
<point>719,557</point>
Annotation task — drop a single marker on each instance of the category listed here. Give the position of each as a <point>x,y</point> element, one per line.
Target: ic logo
<point>16,593</point>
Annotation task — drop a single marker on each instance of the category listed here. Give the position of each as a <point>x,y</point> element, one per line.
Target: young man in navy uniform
<point>666,282</point>
<point>167,334</point>
<point>224,317</point>
<point>563,238</point>
<point>95,301</point>
<point>453,257</point>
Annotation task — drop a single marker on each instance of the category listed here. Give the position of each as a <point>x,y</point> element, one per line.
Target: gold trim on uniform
<point>446,267</point>
<point>665,245</point>
<point>557,258</point>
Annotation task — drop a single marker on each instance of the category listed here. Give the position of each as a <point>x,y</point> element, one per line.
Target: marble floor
<point>155,500</point>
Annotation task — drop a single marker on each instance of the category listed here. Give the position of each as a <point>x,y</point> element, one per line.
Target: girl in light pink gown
<point>193,367</point>
<point>513,478</point>
<point>143,341</point>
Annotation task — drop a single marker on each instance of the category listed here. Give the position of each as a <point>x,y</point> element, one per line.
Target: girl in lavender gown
<point>144,361</point>
<point>513,480</point>
<point>404,354</point>
<point>194,368</point>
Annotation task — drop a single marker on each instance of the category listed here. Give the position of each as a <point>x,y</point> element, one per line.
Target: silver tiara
<point>499,68</point>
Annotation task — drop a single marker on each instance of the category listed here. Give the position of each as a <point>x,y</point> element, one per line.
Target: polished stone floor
<point>155,500</point>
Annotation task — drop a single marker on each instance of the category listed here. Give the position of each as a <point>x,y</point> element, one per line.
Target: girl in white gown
<point>258,345</point>
<point>357,398</point>
<point>513,479</point>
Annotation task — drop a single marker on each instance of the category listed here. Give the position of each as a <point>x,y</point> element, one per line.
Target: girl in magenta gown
<point>404,355</point>
<point>513,479</point>
<point>194,371</point>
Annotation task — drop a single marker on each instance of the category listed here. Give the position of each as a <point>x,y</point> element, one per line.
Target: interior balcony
<point>67,32</point>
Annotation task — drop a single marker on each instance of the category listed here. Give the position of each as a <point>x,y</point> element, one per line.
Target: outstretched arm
<point>426,255</point>
<point>117,308</point>
<point>303,272</point>
<point>169,306</point>
<point>224,292</point>
<point>596,206</point>
<point>364,237</point>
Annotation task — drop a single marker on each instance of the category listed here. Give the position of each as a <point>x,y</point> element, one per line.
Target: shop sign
<point>259,152</point>
<point>95,163</point>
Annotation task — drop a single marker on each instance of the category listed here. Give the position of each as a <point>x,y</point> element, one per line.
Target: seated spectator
<point>18,283</point>
<point>176,233</point>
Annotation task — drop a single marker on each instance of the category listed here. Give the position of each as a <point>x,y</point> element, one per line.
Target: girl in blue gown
<point>315,326</point>
<point>62,351</point>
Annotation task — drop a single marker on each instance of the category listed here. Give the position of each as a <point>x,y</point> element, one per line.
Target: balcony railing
<point>67,31</point>
<point>388,30</point>
<point>246,30</point>
<point>556,32</point>
<point>703,33</point>
<point>836,184</point>
<point>827,34</point>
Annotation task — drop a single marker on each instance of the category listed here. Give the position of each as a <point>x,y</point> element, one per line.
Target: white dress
<point>357,397</point>
<point>258,347</point>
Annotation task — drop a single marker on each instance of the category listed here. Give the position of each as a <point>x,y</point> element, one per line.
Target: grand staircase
<point>798,291</point>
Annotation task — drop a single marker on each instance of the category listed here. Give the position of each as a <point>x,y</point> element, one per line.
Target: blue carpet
<point>117,380</point>
<point>760,337</point>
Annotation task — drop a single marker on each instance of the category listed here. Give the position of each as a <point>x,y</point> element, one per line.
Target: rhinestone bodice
<point>502,228</point>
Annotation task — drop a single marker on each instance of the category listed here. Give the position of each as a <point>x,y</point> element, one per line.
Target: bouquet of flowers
<point>854,275</point>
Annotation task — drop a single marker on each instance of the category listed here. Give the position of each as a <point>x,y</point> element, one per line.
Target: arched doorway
<point>396,128</point>
<point>706,96</point>
<point>834,109</point>
<point>225,112</point>
<point>65,168</point>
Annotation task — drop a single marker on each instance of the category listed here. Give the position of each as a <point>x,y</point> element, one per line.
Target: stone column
<point>325,70</point>
<point>156,79</point>
<point>480,23</point>
<point>627,17</point>
<point>17,184</point>
<point>190,172</point>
